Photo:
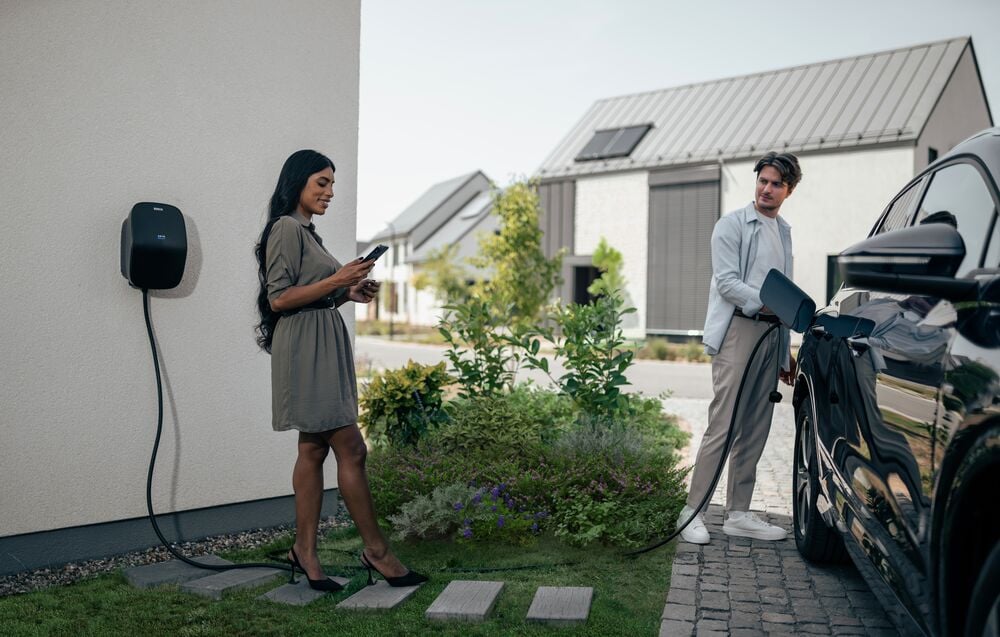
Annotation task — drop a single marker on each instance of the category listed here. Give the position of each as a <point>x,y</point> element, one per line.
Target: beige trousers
<point>753,422</point>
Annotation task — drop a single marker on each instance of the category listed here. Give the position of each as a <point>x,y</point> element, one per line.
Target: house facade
<point>452,212</point>
<point>653,172</point>
<point>105,105</point>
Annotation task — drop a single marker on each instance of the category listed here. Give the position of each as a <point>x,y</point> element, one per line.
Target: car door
<point>898,375</point>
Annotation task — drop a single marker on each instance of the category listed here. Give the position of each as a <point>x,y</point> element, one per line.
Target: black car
<point>897,454</point>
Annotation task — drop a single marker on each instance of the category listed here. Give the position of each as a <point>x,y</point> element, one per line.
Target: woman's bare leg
<point>349,448</point>
<point>307,482</point>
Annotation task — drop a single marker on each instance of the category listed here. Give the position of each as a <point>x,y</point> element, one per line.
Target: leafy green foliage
<point>521,277</point>
<point>479,353</point>
<point>590,342</point>
<point>400,406</point>
<point>610,262</point>
<point>434,515</point>
<point>503,422</point>
<point>442,273</point>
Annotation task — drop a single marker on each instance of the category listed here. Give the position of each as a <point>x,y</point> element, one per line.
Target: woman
<point>313,385</point>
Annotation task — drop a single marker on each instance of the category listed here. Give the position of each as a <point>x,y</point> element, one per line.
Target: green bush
<point>432,516</point>
<point>633,496</point>
<point>499,423</point>
<point>400,406</point>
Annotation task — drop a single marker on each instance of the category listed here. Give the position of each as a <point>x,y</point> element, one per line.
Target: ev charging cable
<point>774,397</point>
<point>152,463</point>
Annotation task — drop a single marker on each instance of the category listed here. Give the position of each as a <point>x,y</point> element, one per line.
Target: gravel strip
<point>29,581</point>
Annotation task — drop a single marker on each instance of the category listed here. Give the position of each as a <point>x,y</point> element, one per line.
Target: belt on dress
<point>324,303</point>
<point>767,318</point>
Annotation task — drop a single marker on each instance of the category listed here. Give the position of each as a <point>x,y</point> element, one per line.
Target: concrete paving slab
<point>170,572</point>
<point>465,600</point>
<point>561,605</point>
<point>381,596</point>
<point>215,586</point>
<point>298,594</point>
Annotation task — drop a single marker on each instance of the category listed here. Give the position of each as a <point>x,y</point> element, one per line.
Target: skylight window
<point>615,142</point>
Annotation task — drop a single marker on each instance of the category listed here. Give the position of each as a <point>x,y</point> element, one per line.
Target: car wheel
<point>984,608</point>
<point>815,540</point>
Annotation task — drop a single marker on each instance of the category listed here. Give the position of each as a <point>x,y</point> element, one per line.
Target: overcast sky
<point>453,86</point>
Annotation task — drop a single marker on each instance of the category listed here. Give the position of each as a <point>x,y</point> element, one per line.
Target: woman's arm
<point>297,296</point>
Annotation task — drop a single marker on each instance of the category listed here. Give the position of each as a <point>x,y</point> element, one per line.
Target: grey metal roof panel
<point>424,205</point>
<point>456,227</point>
<point>863,100</point>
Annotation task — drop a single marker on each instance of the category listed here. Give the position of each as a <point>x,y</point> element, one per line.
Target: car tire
<point>984,607</point>
<point>815,540</point>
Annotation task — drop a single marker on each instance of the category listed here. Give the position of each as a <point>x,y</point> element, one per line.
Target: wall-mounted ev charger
<point>154,246</point>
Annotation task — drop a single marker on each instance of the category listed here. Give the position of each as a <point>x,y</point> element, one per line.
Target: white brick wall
<point>616,207</point>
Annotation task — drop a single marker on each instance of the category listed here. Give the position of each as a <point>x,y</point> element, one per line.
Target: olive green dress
<point>313,386</point>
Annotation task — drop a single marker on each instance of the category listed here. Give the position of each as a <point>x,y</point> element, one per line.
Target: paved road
<point>651,378</point>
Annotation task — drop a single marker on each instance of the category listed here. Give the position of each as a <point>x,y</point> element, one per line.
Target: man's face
<point>771,191</point>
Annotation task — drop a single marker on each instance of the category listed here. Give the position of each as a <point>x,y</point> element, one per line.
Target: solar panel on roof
<point>616,142</point>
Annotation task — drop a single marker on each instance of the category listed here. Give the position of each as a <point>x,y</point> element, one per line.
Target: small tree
<point>444,275</point>
<point>610,262</point>
<point>521,276</point>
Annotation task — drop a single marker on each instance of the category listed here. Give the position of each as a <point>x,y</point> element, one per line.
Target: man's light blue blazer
<point>734,246</point>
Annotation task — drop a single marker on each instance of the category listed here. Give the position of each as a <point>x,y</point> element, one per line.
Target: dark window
<point>583,276</point>
<point>900,210</point>
<point>833,278</point>
<point>616,142</point>
<point>960,190</point>
<point>932,155</point>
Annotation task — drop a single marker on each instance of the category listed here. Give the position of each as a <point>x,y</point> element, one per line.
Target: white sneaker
<point>747,524</point>
<point>695,533</point>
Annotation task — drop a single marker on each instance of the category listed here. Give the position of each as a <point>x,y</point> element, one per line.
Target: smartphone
<point>378,251</point>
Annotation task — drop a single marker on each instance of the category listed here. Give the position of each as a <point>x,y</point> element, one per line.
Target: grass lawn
<point>628,596</point>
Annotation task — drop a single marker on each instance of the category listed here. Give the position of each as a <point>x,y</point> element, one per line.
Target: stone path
<point>738,586</point>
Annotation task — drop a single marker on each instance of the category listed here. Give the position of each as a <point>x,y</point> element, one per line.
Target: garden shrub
<point>400,406</point>
<point>497,424</point>
<point>432,516</point>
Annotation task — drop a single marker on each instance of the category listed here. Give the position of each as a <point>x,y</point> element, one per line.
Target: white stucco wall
<point>835,205</point>
<point>105,104</point>
<point>616,207</point>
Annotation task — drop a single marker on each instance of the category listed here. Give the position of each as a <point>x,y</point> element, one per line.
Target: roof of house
<point>857,101</point>
<point>465,220</point>
<point>427,203</point>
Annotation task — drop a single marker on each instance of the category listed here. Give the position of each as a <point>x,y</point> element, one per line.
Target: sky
<point>448,87</point>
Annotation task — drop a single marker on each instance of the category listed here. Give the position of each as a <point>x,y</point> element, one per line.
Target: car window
<point>960,190</point>
<point>899,211</point>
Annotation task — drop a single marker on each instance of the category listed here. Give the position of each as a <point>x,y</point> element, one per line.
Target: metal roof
<point>470,216</point>
<point>431,200</point>
<point>866,100</point>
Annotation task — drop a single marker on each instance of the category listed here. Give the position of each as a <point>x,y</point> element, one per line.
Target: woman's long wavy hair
<point>294,175</point>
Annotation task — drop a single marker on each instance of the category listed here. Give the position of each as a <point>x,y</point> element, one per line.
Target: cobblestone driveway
<point>738,586</point>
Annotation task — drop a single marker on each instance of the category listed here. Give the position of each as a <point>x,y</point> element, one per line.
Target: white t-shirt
<point>770,252</point>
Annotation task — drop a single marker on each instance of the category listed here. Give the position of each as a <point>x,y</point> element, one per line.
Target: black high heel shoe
<point>325,584</point>
<point>412,578</point>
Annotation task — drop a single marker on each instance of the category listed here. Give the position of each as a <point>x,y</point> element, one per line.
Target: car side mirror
<point>918,260</point>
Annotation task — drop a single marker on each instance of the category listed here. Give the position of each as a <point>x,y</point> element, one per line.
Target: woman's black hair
<point>294,174</point>
<point>785,163</point>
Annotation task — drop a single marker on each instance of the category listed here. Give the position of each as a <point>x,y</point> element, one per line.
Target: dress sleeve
<point>283,257</point>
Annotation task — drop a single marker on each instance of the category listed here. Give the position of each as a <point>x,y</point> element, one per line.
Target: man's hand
<point>788,377</point>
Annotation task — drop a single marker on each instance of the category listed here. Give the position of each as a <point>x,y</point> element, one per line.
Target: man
<point>746,244</point>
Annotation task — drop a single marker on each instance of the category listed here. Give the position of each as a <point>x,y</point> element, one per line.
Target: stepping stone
<point>298,594</point>
<point>170,572</point>
<point>381,596</point>
<point>561,605</point>
<point>215,586</point>
<point>465,600</point>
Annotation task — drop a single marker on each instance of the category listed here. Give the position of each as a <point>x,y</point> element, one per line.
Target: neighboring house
<point>653,172</point>
<point>452,212</point>
<point>106,105</point>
